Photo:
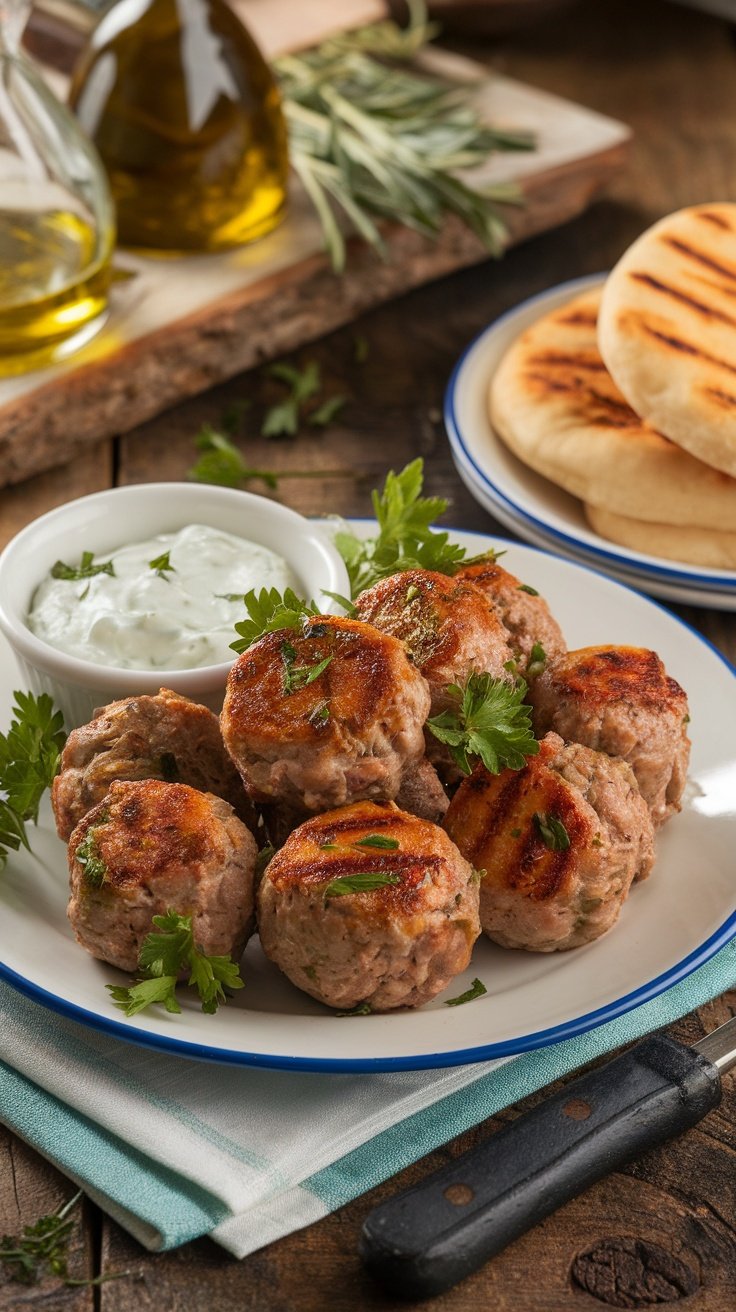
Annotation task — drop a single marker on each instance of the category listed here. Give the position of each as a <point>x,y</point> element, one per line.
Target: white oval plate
<point>533,504</point>
<point>670,924</point>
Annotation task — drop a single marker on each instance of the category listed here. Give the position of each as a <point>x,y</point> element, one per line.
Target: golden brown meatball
<point>148,847</point>
<point>163,737</point>
<point>524,614</point>
<point>447,625</point>
<point>560,842</point>
<point>367,904</point>
<point>324,715</point>
<point>620,700</point>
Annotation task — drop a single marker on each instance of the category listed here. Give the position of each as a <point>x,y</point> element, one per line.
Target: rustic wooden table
<point>666,1225</point>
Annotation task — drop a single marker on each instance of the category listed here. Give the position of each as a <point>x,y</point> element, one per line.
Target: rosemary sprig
<point>371,139</point>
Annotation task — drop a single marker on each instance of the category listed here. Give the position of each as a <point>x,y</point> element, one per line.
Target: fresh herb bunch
<point>405,538</point>
<point>162,957</point>
<point>490,720</point>
<point>29,760</point>
<point>372,139</point>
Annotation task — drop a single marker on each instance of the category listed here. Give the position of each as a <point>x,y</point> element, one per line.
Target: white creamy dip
<point>175,619</point>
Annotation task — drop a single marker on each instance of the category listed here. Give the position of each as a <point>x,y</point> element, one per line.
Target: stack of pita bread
<point>626,396</point>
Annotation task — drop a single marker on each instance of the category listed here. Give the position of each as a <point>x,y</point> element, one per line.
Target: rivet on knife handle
<point>427,1239</point>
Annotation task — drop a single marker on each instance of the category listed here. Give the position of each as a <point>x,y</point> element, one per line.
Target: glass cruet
<point>57,226</point>
<point>187,118</point>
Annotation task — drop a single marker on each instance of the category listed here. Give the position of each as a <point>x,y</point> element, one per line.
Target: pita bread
<point>553,402</point>
<point>698,546</point>
<point>667,330</point>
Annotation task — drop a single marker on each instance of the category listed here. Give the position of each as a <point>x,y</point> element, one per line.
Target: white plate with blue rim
<point>531,505</point>
<point>671,924</point>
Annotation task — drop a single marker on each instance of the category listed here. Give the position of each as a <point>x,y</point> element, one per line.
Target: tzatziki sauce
<point>170,603</point>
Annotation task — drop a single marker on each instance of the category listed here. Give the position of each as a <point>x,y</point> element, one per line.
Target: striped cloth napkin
<point>174,1148</point>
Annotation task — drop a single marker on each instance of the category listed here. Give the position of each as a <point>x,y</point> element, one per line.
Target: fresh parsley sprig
<point>222,463</point>
<point>405,537</point>
<point>490,720</point>
<point>269,611</point>
<point>29,760</point>
<point>161,959</point>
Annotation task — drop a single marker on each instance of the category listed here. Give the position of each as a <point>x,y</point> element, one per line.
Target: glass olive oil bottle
<point>187,118</point>
<point>56,219</point>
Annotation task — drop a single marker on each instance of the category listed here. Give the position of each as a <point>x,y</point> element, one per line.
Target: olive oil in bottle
<point>56,219</point>
<point>187,118</point>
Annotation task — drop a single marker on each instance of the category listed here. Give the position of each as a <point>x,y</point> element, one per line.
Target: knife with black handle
<point>425,1240</point>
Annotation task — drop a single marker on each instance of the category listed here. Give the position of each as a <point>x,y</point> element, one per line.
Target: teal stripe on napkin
<point>163,1209</point>
<point>123,1181</point>
<point>402,1144</point>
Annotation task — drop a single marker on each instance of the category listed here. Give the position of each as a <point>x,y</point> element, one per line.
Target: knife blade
<point>425,1240</point>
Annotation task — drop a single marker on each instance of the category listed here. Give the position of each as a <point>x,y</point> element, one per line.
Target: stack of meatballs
<point>389,862</point>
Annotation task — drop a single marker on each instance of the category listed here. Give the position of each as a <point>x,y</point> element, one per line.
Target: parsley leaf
<point>162,957</point>
<point>552,831</point>
<point>222,463</point>
<point>476,990</point>
<point>362,1009</point>
<point>282,419</point>
<point>43,1247</point>
<point>405,538</point>
<point>377,840</point>
<point>85,569</point>
<point>299,676</point>
<point>269,611</point>
<point>363,881</point>
<point>162,565</point>
<point>88,856</point>
<point>490,721</point>
<point>524,587</point>
<point>29,760</point>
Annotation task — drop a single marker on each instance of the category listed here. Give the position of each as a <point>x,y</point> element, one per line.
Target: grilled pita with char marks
<point>553,402</point>
<point>667,330</point>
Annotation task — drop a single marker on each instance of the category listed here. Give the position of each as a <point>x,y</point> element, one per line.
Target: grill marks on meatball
<point>610,674</point>
<point>545,887</point>
<point>395,945</point>
<point>620,700</point>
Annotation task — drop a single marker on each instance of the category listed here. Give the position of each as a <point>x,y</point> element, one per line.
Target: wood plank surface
<point>664,1229</point>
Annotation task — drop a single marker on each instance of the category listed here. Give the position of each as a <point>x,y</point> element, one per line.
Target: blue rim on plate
<point>710,582</point>
<point>426,1061</point>
<point>666,589</point>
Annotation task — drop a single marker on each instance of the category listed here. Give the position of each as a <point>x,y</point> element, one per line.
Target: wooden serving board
<point>176,327</point>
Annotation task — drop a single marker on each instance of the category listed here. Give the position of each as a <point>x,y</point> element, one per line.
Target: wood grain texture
<point>668,1222</point>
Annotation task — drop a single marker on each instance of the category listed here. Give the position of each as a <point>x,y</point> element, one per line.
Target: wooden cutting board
<point>176,327</point>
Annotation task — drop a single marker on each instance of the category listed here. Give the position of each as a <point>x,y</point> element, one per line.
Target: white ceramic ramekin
<point>108,520</point>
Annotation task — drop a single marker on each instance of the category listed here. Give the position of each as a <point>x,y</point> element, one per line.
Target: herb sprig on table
<point>29,760</point>
<point>43,1249</point>
<point>371,138</point>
